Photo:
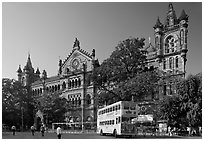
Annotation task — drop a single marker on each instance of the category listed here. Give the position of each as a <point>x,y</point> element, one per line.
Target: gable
<point>75,61</point>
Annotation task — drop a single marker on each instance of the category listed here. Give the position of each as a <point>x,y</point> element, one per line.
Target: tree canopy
<point>122,76</point>
<point>16,100</point>
<point>184,108</point>
<point>52,105</point>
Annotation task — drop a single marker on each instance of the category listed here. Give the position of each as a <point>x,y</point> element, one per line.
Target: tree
<point>117,77</point>
<point>190,91</point>
<point>53,106</point>
<point>16,100</point>
<point>185,107</point>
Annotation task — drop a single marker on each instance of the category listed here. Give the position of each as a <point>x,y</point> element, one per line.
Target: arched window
<point>64,85</point>
<point>164,64</point>
<point>69,84</point>
<point>79,100</point>
<point>157,42</point>
<point>164,89</point>
<point>75,83</point>
<point>79,82</point>
<point>88,99</point>
<point>41,90</point>
<point>72,83</point>
<point>170,44</point>
<point>182,37</point>
<point>55,87</point>
<point>170,88</point>
<point>58,86</point>
<point>170,63</point>
<point>177,64</point>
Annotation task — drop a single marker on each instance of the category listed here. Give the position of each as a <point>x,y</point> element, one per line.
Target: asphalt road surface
<point>28,135</point>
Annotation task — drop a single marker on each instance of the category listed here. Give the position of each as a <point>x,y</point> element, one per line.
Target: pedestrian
<point>13,128</point>
<point>189,131</point>
<point>59,132</point>
<point>42,129</point>
<point>169,131</point>
<point>32,130</point>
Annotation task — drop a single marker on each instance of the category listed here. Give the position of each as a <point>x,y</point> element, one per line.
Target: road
<point>27,135</point>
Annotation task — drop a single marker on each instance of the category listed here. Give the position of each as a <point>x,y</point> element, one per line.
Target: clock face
<point>75,63</point>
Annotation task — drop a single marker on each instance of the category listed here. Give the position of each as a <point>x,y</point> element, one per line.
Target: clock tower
<point>171,42</point>
<point>170,49</point>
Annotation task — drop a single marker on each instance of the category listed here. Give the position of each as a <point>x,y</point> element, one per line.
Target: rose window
<point>170,44</point>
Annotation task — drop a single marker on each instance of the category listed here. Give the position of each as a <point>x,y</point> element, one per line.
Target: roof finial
<point>28,52</point>
<point>76,43</point>
<point>149,40</point>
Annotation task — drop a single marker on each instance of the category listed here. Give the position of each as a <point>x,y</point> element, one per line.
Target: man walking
<point>59,132</point>
<point>42,129</point>
<point>32,130</point>
<point>13,128</point>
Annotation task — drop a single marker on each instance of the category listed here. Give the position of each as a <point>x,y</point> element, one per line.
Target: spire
<point>93,53</point>
<point>76,44</point>
<point>60,67</point>
<point>158,24</point>
<point>19,69</point>
<point>183,16</point>
<point>44,74</point>
<point>37,71</point>
<point>28,64</point>
<point>171,15</point>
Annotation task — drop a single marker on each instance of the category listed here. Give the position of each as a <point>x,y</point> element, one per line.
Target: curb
<point>72,132</point>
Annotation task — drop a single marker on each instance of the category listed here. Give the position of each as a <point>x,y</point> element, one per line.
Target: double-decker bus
<point>116,118</point>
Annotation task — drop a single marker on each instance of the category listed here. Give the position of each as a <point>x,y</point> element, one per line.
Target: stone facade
<point>170,49</point>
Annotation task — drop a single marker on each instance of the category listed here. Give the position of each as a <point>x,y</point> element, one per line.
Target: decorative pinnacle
<point>76,43</point>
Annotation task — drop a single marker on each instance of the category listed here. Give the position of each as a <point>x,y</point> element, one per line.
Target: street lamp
<point>22,117</point>
<point>83,94</point>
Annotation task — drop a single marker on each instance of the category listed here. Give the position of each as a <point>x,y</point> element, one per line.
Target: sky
<point>48,30</point>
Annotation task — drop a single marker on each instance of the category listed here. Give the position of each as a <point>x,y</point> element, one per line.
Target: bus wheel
<point>101,133</point>
<point>115,133</point>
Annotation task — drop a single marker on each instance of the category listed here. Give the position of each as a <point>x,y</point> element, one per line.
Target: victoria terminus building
<point>168,53</point>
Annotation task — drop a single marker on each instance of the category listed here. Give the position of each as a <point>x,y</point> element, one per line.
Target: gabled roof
<point>80,50</point>
<point>50,79</point>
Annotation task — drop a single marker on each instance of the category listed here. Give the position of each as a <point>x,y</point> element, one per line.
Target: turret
<point>158,28</point>
<point>37,73</point>
<point>19,71</point>
<point>93,54</point>
<point>171,16</point>
<point>183,21</point>
<point>60,67</point>
<point>44,74</point>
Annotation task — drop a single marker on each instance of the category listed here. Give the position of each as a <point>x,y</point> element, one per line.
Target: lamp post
<point>22,117</point>
<point>83,94</point>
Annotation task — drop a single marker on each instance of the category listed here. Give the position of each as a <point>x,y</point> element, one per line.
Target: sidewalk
<point>72,132</point>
